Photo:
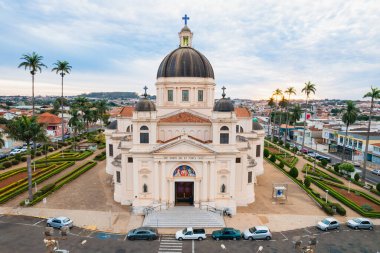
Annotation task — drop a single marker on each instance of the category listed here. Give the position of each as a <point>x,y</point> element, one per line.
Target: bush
<point>281,165</point>
<point>51,149</point>
<point>7,164</point>
<point>327,208</point>
<point>287,145</point>
<point>272,158</point>
<point>306,182</point>
<point>356,177</point>
<point>38,153</point>
<point>377,186</point>
<point>367,208</point>
<point>293,172</point>
<point>347,167</point>
<point>15,162</point>
<point>266,152</point>
<point>339,209</point>
<point>280,142</point>
<point>23,159</point>
<point>295,149</point>
<point>336,167</point>
<point>18,157</point>
<point>324,162</point>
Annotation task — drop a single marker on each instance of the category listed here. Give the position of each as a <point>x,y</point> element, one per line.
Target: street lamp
<point>327,193</point>
<point>349,186</point>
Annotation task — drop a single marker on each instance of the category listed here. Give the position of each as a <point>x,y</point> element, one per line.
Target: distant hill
<point>111,95</point>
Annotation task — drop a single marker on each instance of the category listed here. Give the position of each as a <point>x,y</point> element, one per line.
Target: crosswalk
<point>168,244</point>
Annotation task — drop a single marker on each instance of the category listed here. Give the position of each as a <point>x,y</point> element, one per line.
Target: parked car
<point>226,234</point>
<point>15,151</point>
<point>59,222</point>
<point>143,233</point>
<point>323,157</point>
<point>257,232</point>
<point>376,172</point>
<point>360,223</point>
<point>328,224</point>
<point>2,156</point>
<point>312,154</point>
<point>303,150</point>
<point>190,233</point>
<point>23,149</point>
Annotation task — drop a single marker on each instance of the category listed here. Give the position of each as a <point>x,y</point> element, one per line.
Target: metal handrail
<point>212,209</point>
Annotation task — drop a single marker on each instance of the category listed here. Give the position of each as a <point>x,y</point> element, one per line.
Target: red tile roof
<point>184,117</point>
<point>242,112</point>
<point>48,118</point>
<point>126,111</point>
<point>376,144</point>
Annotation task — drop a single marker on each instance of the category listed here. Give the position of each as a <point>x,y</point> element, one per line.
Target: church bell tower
<point>185,35</point>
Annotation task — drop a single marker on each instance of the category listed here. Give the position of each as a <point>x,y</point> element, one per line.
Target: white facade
<point>184,161</point>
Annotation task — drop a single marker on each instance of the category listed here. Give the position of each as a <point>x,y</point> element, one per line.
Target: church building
<point>185,148</point>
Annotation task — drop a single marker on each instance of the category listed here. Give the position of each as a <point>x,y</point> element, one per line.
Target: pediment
<point>223,171</point>
<point>183,146</point>
<point>144,171</point>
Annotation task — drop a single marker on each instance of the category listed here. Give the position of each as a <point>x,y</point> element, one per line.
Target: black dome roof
<point>224,105</point>
<point>256,126</point>
<point>185,62</point>
<point>145,105</point>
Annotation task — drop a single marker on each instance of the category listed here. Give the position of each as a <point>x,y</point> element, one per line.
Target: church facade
<point>184,149</point>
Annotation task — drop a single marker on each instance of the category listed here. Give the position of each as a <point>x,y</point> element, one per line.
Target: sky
<point>254,47</point>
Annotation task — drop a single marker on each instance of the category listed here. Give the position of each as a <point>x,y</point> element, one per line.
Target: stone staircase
<point>180,217</point>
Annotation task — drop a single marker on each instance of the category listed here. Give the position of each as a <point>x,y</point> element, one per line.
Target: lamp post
<point>349,186</point>
<point>327,193</point>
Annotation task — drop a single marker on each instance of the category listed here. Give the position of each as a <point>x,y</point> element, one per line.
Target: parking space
<point>22,219</point>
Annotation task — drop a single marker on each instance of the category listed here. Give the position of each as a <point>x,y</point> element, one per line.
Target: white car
<point>328,223</point>
<point>191,234</point>
<point>15,151</point>
<point>361,223</point>
<point>257,233</point>
<point>376,172</point>
<point>59,222</point>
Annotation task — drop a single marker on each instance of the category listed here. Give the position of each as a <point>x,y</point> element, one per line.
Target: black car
<point>143,233</point>
<point>322,157</point>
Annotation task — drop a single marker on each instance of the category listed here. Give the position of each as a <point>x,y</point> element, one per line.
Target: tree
<point>346,168</point>
<point>307,89</point>
<point>82,104</point>
<point>293,172</point>
<point>2,142</point>
<point>378,187</point>
<point>290,91</point>
<point>296,113</point>
<point>350,113</point>
<point>277,93</point>
<point>63,68</point>
<point>26,129</point>
<point>102,108</point>
<point>76,123</point>
<point>271,105</point>
<point>374,94</point>
<point>306,182</point>
<point>33,62</point>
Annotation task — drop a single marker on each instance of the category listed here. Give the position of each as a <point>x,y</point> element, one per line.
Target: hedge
<point>60,182</point>
<point>320,173</point>
<point>100,157</point>
<point>5,196</point>
<point>282,159</point>
<point>346,201</point>
<point>68,156</point>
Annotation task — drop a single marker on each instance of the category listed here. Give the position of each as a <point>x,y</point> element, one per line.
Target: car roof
<point>362,219</point>
<point>146,228</point>
<point>330,219</point>
<point>261,228</point>
<point>61,218</point>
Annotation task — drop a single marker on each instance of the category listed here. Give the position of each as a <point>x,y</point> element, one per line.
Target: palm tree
<point>63,68</point>
<point>290,91</point>
<point>76,123</point>
<point>34,63</point>
<point>308,89</point>
<point>281,104</point>
<point>82,104</point>
<point>2,142</point>
<point>102,109</point>
<point>277,93</point>
<point>271,104</point>
<point>296,113</point>
<point>373,94</point>
<point>26,129</point>
<point>350,113</point>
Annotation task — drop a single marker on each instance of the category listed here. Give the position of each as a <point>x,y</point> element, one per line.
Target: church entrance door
<point>184,193</point>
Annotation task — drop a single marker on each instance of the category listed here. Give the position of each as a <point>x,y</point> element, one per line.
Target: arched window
<point>144,134</point>
<point>224,135</point>
<point>239,129</point>
<point>130,129</point>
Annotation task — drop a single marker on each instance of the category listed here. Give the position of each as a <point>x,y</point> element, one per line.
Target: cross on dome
<point>223,94</point>
<point>185,18</point>
<point>145,94</point>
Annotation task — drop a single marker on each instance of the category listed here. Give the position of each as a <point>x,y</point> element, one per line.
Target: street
<point>25,234</point>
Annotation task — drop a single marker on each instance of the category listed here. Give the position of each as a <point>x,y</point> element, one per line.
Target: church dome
<point>185,62</point>
<point>224,104</point>
<point>144,104</point>
<point>256,125</point>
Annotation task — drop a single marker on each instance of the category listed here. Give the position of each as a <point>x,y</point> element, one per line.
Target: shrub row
<point>5,196</point>
<point>100,157</point>
<point>291,164</point>
<point>57,157</point>
<point>48,189</point>
<point>320,173</point>
<point>347,201</point>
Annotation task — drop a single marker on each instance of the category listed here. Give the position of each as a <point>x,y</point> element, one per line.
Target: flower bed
<point>100,157</point>
<point>20,186</point>
<point>351,200</point>
<point>66,156</point>
<point>40,195</point>
<point>287,159</point>
<point>319,173</point>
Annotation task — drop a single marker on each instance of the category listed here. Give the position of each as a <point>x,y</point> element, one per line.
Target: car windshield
<point>357,220</point>
<point>325,221</point>
<point>252,230</point>
<point>184,231</point>
<point>66,220</point>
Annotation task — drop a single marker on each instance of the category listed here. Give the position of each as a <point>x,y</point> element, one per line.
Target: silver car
<point>257,233</point>
<point>328,224</point>
<point>360,223</point>
<point>59,222</point>
<point>376,172</point>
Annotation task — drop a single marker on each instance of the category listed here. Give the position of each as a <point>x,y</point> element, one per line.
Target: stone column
<point>212,180</point>
<point>156,182</point>
<point>232,183</point>
<point>164,183</point>
<point>196,192</point>
<point>136,166</point>
<point>171,192</point>
<point>204,188</point>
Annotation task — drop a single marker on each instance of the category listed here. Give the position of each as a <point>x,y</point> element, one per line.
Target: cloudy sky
<point>254,46</point>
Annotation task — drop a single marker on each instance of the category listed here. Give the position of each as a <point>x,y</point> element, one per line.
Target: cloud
<point>254,46</point>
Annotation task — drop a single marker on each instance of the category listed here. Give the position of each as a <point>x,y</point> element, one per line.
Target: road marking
<point>305,235</point>
<point>273,240</point>
<point>317,234</point>
<point>307,230</point>
<point>89,235</point>
<point>286,238</point>
<point>125,237</point>
<point>38,222</point>
<point>80,232</point>
<point>192,250</point>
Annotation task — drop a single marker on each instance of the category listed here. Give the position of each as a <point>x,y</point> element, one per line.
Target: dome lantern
<point>144,104</point>
<point>185,35</point>
<point>224,104</point>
